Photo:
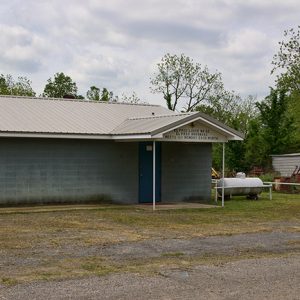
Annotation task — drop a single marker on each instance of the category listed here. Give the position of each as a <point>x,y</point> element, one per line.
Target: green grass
<point>172,254</point>
<point>235,216</point>
<point>50,238</point>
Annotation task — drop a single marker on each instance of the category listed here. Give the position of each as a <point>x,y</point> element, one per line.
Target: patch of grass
<point>172,254</point>
<point>8,281</point>
<point>293,242</point>
<point>152,266</point>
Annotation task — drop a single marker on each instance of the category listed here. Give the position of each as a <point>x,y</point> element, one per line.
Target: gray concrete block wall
<point>62,170</point>
<point>186,171</point>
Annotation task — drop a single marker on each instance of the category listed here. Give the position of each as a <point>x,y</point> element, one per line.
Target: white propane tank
<point>240,175</point>
<point>241,186</point>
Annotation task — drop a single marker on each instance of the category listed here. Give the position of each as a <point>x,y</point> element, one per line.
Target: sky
<point>117,44</point>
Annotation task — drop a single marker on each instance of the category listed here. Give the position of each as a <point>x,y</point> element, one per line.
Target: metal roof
<point>161,123</point>
<point>47,115</point>
<point>148,124</point>
<point>285,155</point>
<point>68,117</point>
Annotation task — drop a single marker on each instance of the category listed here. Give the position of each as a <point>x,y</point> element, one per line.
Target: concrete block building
<point>62,150</point>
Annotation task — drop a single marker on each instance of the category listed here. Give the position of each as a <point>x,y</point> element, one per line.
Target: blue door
<point>146,172</point>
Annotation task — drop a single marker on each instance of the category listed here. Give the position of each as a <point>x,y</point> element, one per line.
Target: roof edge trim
<point>55,135</point>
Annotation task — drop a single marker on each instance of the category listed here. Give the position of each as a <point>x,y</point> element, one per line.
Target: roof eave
<point>11,134</point>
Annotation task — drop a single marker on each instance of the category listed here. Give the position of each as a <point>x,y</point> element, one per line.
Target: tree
<point>133,98</point>
<point>277,125</point>
<point>106,95</point>
<point>255,145</point>
<point>294,112</point>
<point>231,109</point>
<point>273,131</point>
<point>237,113</point>
<point>185,84</point>
<point>93,93</point>
<point>288,60</point>
<point>61,86</point>
<point>19,87</point>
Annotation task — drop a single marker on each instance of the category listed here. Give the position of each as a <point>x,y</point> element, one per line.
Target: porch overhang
<point>195,127</point>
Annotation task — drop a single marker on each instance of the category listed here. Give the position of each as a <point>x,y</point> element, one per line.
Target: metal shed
<point>285,164</point>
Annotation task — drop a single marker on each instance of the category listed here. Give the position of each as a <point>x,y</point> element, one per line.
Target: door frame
<point>145,190</point>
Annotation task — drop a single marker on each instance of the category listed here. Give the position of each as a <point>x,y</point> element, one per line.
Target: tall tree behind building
<point>273,132</point>
<point>286,67</point>
<point>95,94</point>
<point>19,87</point>
<point>60,86</point>
<point>184,83</point>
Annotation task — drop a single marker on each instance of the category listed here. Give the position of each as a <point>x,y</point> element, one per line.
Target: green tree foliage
<point>255,146</point>
<point>61,86</point>
<point>237,113</point>
<point>272,132</point>
<point>19,87</point>
<point>287,60</point>
<point>132,98</point>
<point>293,111</point>
<point>106,95</point>
<point>93,93</point>
<point>277,125</point>
<point>184,83</point>
<point>231,109</point>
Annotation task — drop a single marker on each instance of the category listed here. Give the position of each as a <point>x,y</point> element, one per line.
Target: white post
<point>154,173</point>
<point>223,173</point>
<point>216,191</point>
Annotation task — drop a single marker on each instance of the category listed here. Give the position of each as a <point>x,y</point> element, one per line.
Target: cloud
<point>117,43</point>
<point>21,50</point>
<point>173,33</point>
<point>247,43</point>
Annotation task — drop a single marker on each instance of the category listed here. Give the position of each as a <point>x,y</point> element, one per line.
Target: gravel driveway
<point>260,278</point>
<point>272,278</point>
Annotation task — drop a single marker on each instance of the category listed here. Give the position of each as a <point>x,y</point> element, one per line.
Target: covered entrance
<point>174,154</point>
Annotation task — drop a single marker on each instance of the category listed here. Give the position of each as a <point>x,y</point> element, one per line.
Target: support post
<point>216,192</point>
<point>223,173</point>
<point>154,175</point>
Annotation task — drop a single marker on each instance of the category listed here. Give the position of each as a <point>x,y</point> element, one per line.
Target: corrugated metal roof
<point>47,115</point>
<point>285,155</point>
<point>82,117</point>
<point>148,124</point>
<point>159,123</point>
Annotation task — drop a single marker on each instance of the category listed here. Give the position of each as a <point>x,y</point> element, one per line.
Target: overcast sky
<point>117,43</point>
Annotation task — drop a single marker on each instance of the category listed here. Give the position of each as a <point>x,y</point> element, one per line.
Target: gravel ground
<point>264,278</point>
<point>268,278</point>
<point>270,242</point>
